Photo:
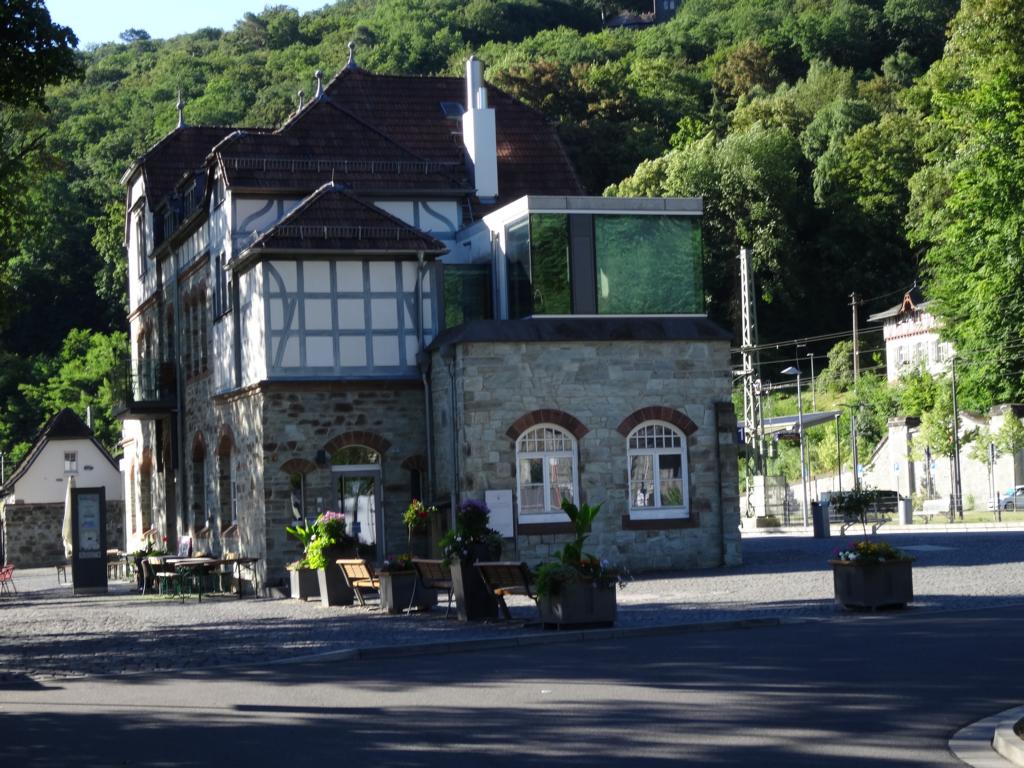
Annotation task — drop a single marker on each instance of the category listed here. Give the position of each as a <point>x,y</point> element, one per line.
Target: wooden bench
<point>505,578</point>
<point>932,507</point>
<point>433,574</point>
<point>7,580</point>
<point>360,575</point>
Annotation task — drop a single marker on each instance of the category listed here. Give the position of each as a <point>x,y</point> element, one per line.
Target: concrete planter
<point>397,590</point>
<point>473,601</point>
<point>334,590</point>
<point>873,585</point>
<point>578,603</point>
<point>304,584</point>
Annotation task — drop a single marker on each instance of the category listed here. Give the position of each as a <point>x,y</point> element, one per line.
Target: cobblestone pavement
<point>48,632</point>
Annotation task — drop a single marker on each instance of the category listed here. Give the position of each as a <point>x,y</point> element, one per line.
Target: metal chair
<point>7,580</point>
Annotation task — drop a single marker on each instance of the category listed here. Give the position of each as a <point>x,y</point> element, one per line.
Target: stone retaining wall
<point>32,533</point>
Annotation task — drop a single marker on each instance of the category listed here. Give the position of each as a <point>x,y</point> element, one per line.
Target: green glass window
<point>537,252</point>
<point>467,293</point>
<point>517,255</point>
<point>648,265</point>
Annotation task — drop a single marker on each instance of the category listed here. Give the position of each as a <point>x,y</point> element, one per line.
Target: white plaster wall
<point>252,326</point>
<point>46,483</point>
<point>250,215</point>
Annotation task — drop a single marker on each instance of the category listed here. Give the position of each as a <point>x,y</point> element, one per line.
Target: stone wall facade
<point>598,385</point>
<point>32,533</point>
<point>305,424</point>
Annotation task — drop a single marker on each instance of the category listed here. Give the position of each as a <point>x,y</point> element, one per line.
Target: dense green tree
<point>84,375</point>
<point>34,52</point>
<point>969,204</point>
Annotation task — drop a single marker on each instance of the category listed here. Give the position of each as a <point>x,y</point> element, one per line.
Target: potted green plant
<point>399,587</point>
<point>577,588</point>
<point>470,540</point>
<point>328,543</point>
<point>304,581</point>
<point>872,574</point>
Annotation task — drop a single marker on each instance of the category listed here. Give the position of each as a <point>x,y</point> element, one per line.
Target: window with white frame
<point>221,285</point>
<point>140,240</point>
<point>658,482</point>
<point>70,462</point>
<point>228,493</point>
<point>546,473</point>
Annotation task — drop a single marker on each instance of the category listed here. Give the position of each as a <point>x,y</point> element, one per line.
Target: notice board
<point>89,541</point>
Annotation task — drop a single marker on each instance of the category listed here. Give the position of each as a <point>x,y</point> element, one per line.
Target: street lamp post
<point>814,399</point>
<point>794,371</point>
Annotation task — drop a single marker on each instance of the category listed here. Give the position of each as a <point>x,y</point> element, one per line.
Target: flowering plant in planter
<point>868,551</point>
<point>572,564</point>
<point>470,534</point>
<point>397,563</point>
<point>328,532</point>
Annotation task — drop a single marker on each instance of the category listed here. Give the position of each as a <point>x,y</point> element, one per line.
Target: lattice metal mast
<point>753,430</point>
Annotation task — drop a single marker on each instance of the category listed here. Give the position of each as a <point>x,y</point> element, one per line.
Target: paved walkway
<point>48,632</point>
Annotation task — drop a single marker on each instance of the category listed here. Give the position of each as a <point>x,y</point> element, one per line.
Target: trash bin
<point>819,519</point>
<point>906,511</point>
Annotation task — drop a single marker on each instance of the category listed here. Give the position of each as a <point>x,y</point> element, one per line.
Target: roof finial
<point>302,99</point>
<point>181,111</point>
<point>319,75</point>
<point>351,65</point>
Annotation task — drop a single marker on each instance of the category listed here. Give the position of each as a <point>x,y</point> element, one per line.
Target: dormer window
<point>452,110</point>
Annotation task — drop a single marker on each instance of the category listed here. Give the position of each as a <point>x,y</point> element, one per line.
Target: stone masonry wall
<point>32,533</point>
<point>301,419</point>
<point>600,384</point>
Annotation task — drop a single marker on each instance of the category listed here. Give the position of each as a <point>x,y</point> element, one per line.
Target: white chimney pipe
<point>479,133</point>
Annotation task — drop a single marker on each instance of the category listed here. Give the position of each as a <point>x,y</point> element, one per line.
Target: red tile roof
<point>531,159</point>
<point>333,219</point>
<point>374,133</point>
<point>180,152</point>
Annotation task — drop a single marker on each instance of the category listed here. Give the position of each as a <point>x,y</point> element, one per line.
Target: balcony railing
<point>148,389</point>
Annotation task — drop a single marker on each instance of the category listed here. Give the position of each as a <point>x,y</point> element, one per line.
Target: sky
<point>101,21</point>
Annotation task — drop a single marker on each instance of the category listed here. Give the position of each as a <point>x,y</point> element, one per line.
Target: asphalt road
<point>868,690</point>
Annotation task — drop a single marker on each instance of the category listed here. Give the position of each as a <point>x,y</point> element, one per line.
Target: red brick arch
<point>358,437</point>
<point>225,441</point>
<point>657,413</point>
<point>298,467</point>
<point>567,421</point>
<point>417,463</point>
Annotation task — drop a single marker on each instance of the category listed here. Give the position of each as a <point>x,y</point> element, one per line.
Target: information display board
<point>89,541</point>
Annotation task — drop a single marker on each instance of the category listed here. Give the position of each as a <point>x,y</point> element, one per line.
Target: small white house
<point>912,338</point>
<point>64,448</point>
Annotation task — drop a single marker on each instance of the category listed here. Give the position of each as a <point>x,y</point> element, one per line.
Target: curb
<point>1007,743</point>
<point>975,744</point>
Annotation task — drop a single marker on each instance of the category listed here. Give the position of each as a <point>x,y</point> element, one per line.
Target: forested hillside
<point>843,140</point>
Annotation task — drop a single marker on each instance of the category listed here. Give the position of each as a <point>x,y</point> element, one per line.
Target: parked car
<point>1013,499</point>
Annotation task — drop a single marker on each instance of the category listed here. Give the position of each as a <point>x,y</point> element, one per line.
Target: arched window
<point>200,514</point>
<point>227,490</point>
<point>658,475</point>
<point>546,471</point>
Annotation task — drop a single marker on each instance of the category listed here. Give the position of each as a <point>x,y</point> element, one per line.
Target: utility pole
<point>814,401</point>
<point>854,302</point>
<point>958,506</point>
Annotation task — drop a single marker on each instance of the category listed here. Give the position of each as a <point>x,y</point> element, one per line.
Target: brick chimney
<point>479,133</point>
